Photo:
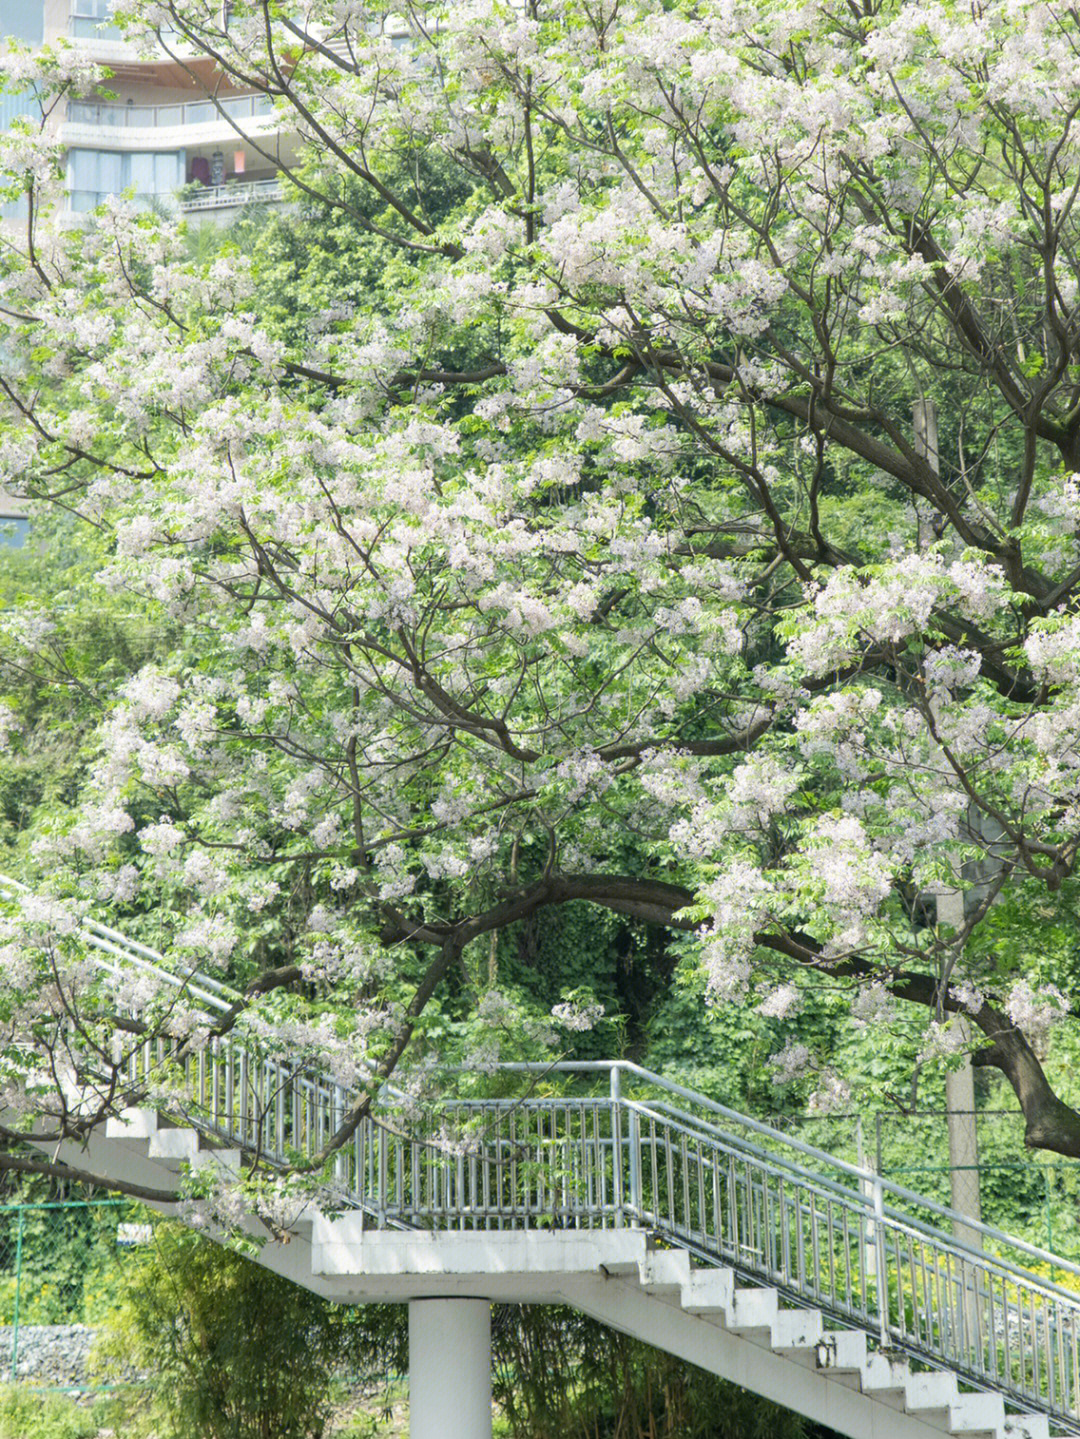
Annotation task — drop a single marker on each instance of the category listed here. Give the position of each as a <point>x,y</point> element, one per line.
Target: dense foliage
<point>231,1351</point>
<point>560,1375</point>
<point>658,498</point>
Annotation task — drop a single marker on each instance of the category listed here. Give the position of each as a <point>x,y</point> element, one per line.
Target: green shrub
<point>232,1351</point>
<point>29,1414</point>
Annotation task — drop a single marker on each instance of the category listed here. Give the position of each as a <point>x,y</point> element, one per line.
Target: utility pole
<point>960,1083</point>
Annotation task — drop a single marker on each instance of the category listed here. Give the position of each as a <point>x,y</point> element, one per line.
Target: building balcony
<point>94,124</point>
<point>232,196</point>
<point>215,199</point>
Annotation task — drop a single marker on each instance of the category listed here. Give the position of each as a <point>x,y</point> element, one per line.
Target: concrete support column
<point>449,1369</point>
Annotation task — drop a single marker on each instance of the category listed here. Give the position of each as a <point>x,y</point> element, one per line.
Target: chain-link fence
<point>61,1271</point>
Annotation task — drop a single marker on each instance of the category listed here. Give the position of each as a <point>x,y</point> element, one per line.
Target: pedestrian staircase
<point>715,1237</point>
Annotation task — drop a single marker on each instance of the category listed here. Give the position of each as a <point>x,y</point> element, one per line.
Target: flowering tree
<point>687,527</point>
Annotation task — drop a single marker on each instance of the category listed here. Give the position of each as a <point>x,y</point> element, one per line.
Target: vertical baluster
<point>929,1315</point>
<point>733,1208</point>
<point>601,1166</point>
<point>634,1143</point>
<point>800,1239</point>
<point>684,1160</point>
<point>702,1226</point>
<point>230,1091</point>
<point>916,1313</point>
<point>815,1249</point>
<point>430,1182</point>
<point>765,1243</point>
<point>1049,1356</point>
<point>1036,1349</point>
<point>1063,1390</point>
<point>978,1299</point>
<point>215,1081</point>
<point>881,1265</point>
<point>280,1086</point>
<point>652,1209</point>
<point>616,1143</point>
<point>379,1137</point>
<point>485,1197</point>
<point>750,1235</point>
<point>901,1311</point>
<point>360,1159</point>
<point>513,1164</point>
<point>668,1215</point>
<point>245,1096</point>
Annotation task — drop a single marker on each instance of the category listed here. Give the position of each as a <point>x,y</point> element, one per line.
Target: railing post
<point>634,1141</point>
<point>882,1277</point>
<point>616,1143</point>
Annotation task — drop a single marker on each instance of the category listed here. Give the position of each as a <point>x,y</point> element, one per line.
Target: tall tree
<point>593,555</point>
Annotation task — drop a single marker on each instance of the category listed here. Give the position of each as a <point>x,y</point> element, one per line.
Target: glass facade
<point>191,112</point>
<point>93,174</point>
<point>90,20</point>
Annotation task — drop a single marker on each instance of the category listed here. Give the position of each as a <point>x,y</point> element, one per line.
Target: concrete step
<point>977,1414</point>
<point>797,1333</point>
<point>1027,1426</point>
<point>753,1313</point>
<point>132,1125</point>
<point>709,1292</point>
<point>665,1271</point>
<point>935,1391</point>
<point>885,1376</point>
<point>843,1353</point>
<point>174,1148</point>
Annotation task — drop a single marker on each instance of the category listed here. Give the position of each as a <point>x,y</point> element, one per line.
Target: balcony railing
<point>211,197</point>
<point>191,112</point>
<point>219,197</point>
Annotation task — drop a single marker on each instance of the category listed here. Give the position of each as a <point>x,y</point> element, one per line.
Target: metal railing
<point>218,197</point>
<point>190,112</point>
<point>618,1146</point>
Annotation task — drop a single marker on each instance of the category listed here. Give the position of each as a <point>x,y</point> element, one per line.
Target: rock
<point>48,1354</point>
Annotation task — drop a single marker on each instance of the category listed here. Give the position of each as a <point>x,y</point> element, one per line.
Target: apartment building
<point>158,135</point>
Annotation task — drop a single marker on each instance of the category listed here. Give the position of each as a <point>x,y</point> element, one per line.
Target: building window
<point>90,20</point>
<point>23,20</point>
<point>93,174</point>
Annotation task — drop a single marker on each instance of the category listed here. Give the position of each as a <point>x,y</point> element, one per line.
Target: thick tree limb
<point>1049,1123</point>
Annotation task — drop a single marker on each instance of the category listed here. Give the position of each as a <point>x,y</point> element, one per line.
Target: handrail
<point>820,1156</point>
<point>140,956</point>
<point>732,1190</point>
